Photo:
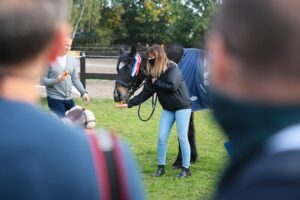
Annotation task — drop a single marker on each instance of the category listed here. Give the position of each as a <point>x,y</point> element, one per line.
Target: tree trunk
<point>79,19</point>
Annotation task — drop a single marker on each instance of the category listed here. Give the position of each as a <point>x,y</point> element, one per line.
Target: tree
<point>181,22</point>
<point>192,19</point>
<point>85,14</point>
<point>111,22</point>
<point>77,9</point>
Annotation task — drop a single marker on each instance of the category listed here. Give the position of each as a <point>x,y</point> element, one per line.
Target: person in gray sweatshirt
<point>59,78</point>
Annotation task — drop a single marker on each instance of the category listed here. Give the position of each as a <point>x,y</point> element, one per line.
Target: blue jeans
<point>59,107</point>
<point>182,118</point>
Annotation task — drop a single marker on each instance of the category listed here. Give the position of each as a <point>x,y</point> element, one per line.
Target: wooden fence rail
<point>84,76</point>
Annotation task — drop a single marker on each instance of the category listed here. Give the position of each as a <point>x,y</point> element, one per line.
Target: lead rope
<point>154,101</point>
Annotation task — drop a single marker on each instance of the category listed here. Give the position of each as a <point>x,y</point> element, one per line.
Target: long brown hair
<point>161,61</point>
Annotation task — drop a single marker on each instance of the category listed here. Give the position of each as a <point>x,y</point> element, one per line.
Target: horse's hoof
<point>177,165</point>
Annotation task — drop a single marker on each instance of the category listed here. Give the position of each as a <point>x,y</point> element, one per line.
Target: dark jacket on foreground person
<point>171,90</point>
<point>41,158</point>
<point>266,151</point>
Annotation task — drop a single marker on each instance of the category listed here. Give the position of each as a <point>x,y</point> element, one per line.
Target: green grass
<point>142,137</point>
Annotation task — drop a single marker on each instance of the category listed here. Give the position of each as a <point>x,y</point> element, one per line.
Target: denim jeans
<point>59,107</point>
<point>182,118</point>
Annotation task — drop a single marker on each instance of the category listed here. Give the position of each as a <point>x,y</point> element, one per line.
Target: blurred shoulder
<point>269,170</point>
<point>268,177</point>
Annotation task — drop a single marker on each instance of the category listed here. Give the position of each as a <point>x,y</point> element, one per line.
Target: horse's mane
<point>141,48</point>
<point>173,51</point>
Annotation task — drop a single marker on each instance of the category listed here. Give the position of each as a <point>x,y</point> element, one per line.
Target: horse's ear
<point>121,51</point>
<point>133,51</point>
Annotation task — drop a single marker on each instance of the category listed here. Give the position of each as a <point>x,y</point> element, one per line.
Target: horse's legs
<point>191,137</point>
<point>178,162</point>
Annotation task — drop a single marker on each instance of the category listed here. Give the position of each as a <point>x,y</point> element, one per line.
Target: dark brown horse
<point>126,86</point>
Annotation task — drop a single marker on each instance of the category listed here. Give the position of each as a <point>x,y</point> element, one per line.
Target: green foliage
<point>151,22</point>
<point>91,14</point>
<point>103,36</point>
<point>192,18</point>
<point>182,22</point>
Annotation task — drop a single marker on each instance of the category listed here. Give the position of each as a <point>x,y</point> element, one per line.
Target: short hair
<point>27,27</point>
<point>263,35</point>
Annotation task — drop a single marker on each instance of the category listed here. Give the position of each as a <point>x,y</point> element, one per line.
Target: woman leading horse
<point>165,79</point>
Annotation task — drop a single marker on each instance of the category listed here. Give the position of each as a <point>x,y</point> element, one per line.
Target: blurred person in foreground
<point>40,157</point>
<point>59,78</point>
<point>255,78</point>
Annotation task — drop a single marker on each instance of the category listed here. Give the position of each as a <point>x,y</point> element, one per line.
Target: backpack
<point>109,165</point>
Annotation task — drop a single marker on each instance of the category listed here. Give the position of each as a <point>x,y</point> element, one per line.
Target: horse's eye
<point>128,67</point>
<point>129,63</point>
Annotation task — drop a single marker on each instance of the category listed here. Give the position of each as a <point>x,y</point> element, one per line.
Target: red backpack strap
<point>109,165</point>
<point>100,167</point>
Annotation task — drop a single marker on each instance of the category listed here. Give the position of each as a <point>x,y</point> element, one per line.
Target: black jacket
<point>275,177</point>
<point>171,90</point>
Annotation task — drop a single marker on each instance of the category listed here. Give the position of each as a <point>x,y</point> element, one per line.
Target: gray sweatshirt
<point>62,90</point>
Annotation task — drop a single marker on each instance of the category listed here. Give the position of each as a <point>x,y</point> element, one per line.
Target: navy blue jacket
<point>41,158</point>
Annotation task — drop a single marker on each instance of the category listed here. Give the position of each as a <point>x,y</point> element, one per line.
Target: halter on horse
<point>131,74</point>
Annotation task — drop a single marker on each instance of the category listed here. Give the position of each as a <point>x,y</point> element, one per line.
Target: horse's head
<point>130,74</point>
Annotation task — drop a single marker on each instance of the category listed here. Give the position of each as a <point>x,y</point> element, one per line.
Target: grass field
<point>142,137</point>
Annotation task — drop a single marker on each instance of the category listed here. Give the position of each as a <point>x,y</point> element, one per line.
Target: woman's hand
<point>121,106</point>
<point>153,80</point>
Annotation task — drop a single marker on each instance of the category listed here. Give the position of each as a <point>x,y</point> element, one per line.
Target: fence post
<point>82,69</point>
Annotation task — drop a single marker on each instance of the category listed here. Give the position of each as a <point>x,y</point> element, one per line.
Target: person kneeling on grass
<point>167,81</point>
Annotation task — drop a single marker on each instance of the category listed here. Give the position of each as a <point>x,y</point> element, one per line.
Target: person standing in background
<point>59,78</point>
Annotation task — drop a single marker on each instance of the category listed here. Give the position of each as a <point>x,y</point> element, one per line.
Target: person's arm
<point>172,82</point>
<point>45,80</point>
<point>76,81</point>
<point>147,92</point>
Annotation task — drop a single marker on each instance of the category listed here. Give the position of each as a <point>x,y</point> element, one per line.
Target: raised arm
<point>45,80</point>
